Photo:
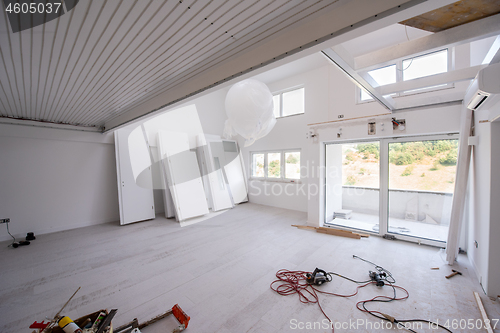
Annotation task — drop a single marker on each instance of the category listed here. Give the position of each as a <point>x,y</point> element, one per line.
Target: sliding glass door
<point>352,185</point>
<point>398,186</point>
<point>421,183</point>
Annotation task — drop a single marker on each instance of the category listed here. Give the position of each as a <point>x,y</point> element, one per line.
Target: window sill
<point>291,181</point>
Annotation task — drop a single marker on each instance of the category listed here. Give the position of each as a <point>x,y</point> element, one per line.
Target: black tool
<point>377,277</point>
<point>30,236</point>
<point>21,243</point>
<point>107,321</point>
<point>318,277</point>
<point>453,274</point>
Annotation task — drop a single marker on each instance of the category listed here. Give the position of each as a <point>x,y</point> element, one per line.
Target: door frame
<point>384,182</point>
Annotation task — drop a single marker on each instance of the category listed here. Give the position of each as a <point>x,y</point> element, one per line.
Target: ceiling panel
<point>103,58</point>
<point>455,14</point>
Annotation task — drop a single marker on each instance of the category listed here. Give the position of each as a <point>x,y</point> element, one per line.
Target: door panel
<point>352,185</point>
<point>133,162</point>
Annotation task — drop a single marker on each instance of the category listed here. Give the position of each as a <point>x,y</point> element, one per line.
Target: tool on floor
<point>378,278</point>
<point>21,243</point>
<point>40,326</point>
<point>55,320</point>
<point>453,274</point>
<point>107,321</point>
<point>383,273</point>
<point>179,314</point>
<point>318,277</point>
<point>299,283</point>
<point>69,325</point>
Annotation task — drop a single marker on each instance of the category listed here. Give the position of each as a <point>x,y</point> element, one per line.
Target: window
<point>258,165</point>
<point>278,165</point>
<point>273,165</point>
<point>409,69</point>
<point>383,76</point>
<point>292,165</point>
<point>426,65</point>
<point>289,103</point>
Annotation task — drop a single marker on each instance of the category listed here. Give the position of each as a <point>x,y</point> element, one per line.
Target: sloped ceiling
<point>105,63</point>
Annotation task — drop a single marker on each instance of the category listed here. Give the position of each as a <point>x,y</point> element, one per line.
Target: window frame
<point>282,177</point>
<point>252,168</point>
<point>280,94</point>
<point>399,75</point>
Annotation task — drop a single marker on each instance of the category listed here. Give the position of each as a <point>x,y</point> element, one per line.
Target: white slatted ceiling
<point>104,58</point>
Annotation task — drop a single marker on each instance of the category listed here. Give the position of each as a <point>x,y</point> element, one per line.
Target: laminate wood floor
<point>219,272</point>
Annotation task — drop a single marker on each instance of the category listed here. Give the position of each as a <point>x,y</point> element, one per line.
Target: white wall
<point>53,179</point>
<point>484,208</point>
<point>289,133</point>
<point>494,234</point>
<point>479,206</point>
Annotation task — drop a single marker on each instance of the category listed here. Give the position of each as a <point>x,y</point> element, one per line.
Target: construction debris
<point>333,231</point>
<point>483,312</point>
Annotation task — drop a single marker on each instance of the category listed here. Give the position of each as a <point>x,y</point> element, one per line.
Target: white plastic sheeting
<point>249,108</point>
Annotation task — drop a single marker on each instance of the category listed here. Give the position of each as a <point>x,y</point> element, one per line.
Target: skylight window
<point>383,76</point>
<point>426,65</point>
<point>410,69</point>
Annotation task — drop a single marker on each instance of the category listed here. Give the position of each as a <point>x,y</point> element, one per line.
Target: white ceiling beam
<point>493,52</point>
<point>357,79</point>
<point>495,49</point>
<point>345,55</point>
<point>458,75</point>
<point>487,27</point>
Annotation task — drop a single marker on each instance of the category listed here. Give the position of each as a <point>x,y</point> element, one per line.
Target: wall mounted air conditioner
<point>485,87</point>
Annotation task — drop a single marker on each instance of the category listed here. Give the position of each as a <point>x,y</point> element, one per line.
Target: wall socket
<point>7,220</point>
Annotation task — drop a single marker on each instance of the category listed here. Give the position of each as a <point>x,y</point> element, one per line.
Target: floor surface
<point>219,272</point>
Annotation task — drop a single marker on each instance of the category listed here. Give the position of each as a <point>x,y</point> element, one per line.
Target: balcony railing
<point>403,204</point>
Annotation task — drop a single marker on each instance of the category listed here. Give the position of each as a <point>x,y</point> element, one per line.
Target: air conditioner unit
<point>485,86</point>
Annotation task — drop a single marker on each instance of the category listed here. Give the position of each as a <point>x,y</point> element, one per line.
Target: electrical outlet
<point>7,220</point>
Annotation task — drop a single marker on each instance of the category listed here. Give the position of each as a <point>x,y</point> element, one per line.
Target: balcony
<point>422,214</point>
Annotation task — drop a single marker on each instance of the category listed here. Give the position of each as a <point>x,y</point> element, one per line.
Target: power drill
<point>374,276</point>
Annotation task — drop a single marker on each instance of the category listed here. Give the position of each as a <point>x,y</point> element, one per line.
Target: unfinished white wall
<point>54,180</point>
<point>484,199</point>
<point>289,133</point>
<point>494,234</point>
<point>479,205</point>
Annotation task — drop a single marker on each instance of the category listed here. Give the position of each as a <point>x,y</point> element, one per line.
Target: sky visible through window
<point>414,68</point>
<point>426,65</point>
